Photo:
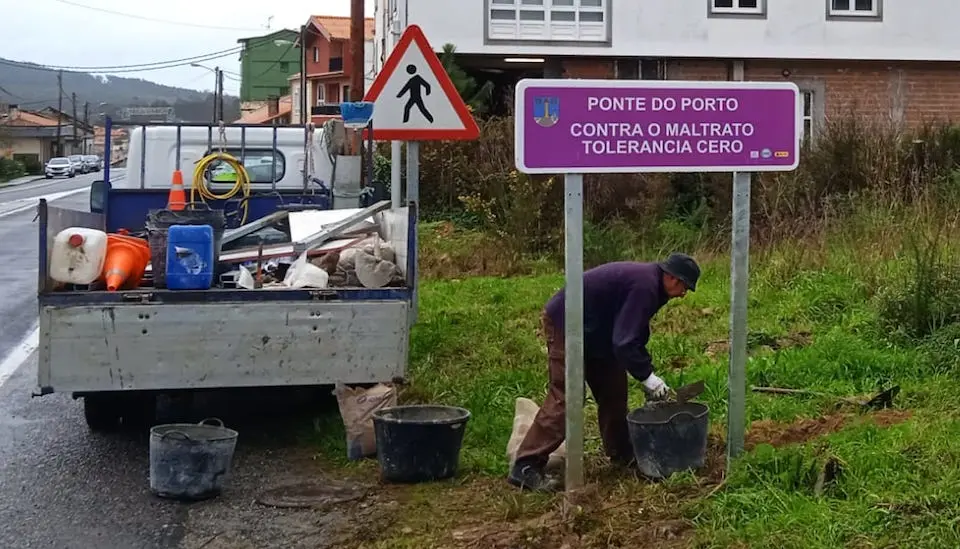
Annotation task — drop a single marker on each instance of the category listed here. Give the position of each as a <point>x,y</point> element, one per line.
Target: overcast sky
<point>111,33</point>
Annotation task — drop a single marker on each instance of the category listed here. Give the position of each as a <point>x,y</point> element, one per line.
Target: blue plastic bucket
<point>356,114</point>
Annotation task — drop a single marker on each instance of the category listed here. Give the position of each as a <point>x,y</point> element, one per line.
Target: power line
<point>118,70</point>
<point>137,67</point>
<point>156,20</point>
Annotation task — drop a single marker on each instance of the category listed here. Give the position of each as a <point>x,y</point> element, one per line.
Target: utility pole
<point>86,124</point>
<point>216,91</point>
<point>59,111</point>
<point>303,75</point>
<point>220,94</point>
<point>357,39</point>
<point>73,123</point>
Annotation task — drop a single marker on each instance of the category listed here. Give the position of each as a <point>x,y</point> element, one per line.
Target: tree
<point>476,96</point>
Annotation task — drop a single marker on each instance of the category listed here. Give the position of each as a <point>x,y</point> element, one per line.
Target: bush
<point>927,297</point>
<point>31,163</point>
<point>11,169</point>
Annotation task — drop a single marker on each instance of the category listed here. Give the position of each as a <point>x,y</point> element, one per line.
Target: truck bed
<point>152,339</point>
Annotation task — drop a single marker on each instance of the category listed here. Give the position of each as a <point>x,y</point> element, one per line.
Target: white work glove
<point>655,388</point>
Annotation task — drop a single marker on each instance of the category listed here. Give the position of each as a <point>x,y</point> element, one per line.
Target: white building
<point>889,58</point>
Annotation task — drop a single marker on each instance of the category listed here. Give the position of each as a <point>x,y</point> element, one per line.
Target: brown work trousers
<point>607,382</point>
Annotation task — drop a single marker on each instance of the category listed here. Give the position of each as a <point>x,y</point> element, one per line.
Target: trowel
<point>688,392</point>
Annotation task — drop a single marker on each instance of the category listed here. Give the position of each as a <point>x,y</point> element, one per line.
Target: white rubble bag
<point>357,406</point>
<point>303,274</point>
<point>525,411</point>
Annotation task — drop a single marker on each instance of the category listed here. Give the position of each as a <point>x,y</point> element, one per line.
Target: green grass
<point>815,324</point>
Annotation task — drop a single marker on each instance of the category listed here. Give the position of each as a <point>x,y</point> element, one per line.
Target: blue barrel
<point>190,257</point>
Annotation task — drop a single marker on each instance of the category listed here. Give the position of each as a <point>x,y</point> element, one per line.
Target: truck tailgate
<point>140,346</point>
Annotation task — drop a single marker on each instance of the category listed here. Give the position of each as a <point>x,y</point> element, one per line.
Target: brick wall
<point>907,92</point>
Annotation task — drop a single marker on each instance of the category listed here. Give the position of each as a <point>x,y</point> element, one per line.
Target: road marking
<point>19,355</point>
<point>25,204</point>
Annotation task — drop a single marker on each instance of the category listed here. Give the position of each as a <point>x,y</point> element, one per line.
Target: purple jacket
<point>619,299</point>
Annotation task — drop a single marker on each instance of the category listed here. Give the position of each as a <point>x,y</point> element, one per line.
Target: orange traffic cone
<point>177,199</point>
<point>126,261</point>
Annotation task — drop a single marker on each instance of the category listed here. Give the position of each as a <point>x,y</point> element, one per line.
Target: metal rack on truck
<point>118,350</point>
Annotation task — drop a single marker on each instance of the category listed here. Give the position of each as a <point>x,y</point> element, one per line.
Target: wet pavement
<point>19,244</point>
<point>62,486</point>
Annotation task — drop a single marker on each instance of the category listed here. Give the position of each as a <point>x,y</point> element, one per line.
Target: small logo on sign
<point>782,154</point>
<point>766,153</point>
<point>546,110</point>
<point>754,154</point>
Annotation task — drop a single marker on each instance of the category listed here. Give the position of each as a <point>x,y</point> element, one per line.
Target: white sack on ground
<point>525,411</point>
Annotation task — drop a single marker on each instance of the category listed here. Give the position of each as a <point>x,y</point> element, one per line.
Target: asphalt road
<point>63,487</point>
<point>19,244</point>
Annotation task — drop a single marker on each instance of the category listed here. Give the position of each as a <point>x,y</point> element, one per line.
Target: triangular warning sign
<point>414,99</point>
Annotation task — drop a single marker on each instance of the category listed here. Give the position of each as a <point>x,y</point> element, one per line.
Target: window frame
<point>321,94</point>
<point>246,153</point>
<point>760,12</point>
<point>815,117</point>
<point>853,14</point>
<point>542,12</point>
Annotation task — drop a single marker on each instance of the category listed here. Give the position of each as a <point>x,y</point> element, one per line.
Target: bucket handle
<point>180,435</point>
<point>215,421</point>
<point>680,413</point>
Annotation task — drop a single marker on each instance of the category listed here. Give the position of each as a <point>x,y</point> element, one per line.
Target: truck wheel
<point>102,412</point>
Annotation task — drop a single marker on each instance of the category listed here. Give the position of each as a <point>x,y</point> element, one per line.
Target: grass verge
<point>819,472</point>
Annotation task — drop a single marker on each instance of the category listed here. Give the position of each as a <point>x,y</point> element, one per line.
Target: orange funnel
<point>127,259</point>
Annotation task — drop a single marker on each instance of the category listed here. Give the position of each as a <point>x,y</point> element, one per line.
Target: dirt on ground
<point>309,506</point>
<point>805,429</point>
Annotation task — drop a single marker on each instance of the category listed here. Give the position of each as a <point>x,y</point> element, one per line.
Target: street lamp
<point>217,90</point>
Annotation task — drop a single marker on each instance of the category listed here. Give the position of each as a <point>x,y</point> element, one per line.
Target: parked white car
<point>92,163</point>
<point>59,167</point>
<point>77,161</point>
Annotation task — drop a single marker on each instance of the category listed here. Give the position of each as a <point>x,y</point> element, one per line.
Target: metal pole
<point>59,113</point>
<point>220,94</point>
<point>86,126</point>
<point>107,146</point>
<point>413,197</point>
<point>739,275</point>
<point>396,165</point>
<point>73,123</point>
<point>573,315</point>
<point>216,88</point>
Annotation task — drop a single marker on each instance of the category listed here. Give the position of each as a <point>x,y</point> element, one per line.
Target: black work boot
<point>531,477</point>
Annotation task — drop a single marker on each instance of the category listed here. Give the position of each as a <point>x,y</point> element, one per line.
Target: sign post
<point>576,127</point>
<point>415,100</point>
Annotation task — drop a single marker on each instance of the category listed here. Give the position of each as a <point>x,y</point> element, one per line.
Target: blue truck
<point>119,350</point>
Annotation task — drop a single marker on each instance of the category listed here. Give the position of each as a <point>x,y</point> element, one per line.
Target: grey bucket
<point>669,437</point>
<point>190,461</point>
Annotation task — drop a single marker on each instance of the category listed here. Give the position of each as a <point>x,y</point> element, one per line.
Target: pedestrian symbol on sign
<point>415,86</point>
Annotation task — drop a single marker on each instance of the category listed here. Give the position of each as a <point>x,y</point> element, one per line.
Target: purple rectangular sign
<point>610,126</point>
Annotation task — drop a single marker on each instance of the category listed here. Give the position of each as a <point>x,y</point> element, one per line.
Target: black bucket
<point>159,223</point>
<point>189,461</point>
<point>669,437</point>
<point>419,443</point>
